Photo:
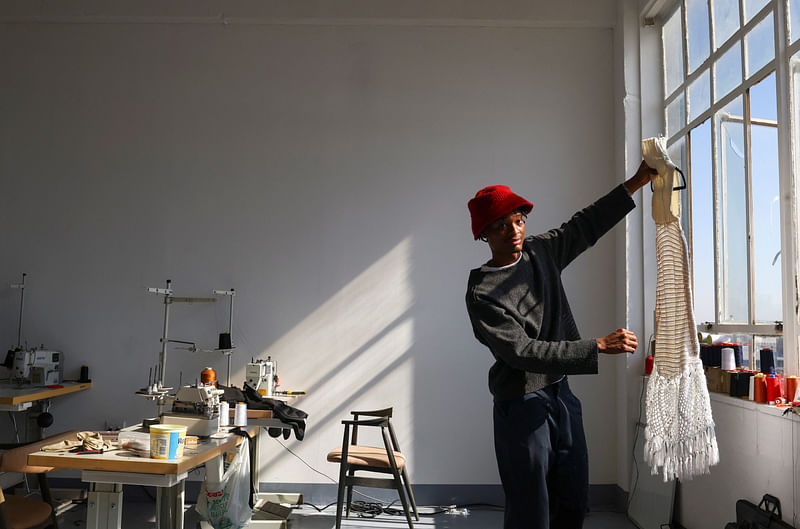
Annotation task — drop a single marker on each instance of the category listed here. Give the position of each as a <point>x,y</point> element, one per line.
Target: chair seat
<point>368,456</point>
<point>23,512</point>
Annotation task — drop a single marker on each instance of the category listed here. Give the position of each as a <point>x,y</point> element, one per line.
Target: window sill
<point>738,402</point>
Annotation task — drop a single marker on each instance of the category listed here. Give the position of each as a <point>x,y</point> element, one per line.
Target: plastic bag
<point>226,504</point>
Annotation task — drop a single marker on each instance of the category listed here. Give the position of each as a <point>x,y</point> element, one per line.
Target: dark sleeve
<point>509,342</point>
<point>587,226</point>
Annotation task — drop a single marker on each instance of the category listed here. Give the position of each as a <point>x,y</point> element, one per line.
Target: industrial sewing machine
<point>197,408</point>
<point>262,375</point>
<point>37,367</point>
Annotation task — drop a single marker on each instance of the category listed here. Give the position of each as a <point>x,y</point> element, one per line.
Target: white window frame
<point>657,12</point>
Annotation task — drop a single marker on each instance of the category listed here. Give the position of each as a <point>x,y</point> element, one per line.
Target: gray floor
<point>141,515</point>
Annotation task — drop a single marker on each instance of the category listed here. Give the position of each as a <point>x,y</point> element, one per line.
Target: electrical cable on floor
<point>376,507</point>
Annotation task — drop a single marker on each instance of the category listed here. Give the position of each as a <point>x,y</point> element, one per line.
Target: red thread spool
<point>648,365</point>
<point>760,388</point>
<point>774,388</point>
<point>791,388</point>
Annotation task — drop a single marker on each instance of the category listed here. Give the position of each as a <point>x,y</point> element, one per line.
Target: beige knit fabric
<point>679,434</point>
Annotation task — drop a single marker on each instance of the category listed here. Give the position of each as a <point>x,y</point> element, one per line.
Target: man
<point>519,310</point>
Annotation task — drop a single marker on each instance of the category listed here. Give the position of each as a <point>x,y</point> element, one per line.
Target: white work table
<point>16,397</point>
<point>107,472</point>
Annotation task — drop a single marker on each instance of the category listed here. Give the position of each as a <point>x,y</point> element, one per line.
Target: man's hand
<point>643,175</point>
<point>618,342</point>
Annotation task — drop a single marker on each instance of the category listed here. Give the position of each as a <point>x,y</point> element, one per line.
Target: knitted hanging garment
<point>679,434</point>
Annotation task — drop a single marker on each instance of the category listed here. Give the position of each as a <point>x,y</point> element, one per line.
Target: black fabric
<point>232,394</point>
<point>294,417</point>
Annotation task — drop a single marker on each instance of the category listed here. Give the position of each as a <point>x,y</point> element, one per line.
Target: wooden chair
<point>22,512</point>
<point>386,459</point>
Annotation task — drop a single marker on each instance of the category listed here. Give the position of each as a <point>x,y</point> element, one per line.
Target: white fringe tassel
<point>679,434</point>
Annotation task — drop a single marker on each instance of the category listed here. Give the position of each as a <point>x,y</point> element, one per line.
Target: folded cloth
<point>84,441</point>
<point>294,417</point>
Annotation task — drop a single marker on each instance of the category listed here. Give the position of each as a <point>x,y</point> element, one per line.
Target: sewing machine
<point>197,408</point>
<point>37,367</point>
<point>262,375</point>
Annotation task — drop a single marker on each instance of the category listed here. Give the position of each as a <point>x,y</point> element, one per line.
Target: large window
<point>731,89</point>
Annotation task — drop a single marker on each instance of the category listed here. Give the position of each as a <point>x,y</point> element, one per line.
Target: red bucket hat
<point>491,203</point>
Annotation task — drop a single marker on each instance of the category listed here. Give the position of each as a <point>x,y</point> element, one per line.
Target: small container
<point>167,441</point>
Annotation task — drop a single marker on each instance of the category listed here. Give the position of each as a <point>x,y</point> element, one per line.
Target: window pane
<point>702,234</point>
<point>699,45</point>
<point>760,44</point>
<point>676,115</point>
<point>772,342</point>
<point>699,95</point>
<point>726,20</point>
<point>762,99</point>
<point>794,65</point>
<point>752,7</point>
<point>766,204</point>
<point>728,71</point>
<point>794,19</point>
<point>733,212</point>
<point>673,53</point>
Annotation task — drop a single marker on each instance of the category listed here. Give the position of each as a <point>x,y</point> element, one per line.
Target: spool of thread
<point>774,388</point>
<point>240,415</point>
<point>737,353</point>
<point>728,361</point>
<point>751,388</point>
<point>208,376</point>
<point>740,383</point>
<point>648,365</point>
<point>760,388</point>
<point>224,340</point>
<point>767,361</point>
<point>224,413</point>
<point>791,389</point>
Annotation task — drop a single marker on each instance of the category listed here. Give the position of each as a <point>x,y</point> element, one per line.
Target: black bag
<point>766,515</point>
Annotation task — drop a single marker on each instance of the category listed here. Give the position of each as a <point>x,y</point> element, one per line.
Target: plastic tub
<point>167,441</point>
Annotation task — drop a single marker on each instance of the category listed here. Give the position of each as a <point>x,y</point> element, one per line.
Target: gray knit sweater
<point>521,312</point>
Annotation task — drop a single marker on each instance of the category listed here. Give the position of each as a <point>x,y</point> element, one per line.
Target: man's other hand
<point>618,342</point>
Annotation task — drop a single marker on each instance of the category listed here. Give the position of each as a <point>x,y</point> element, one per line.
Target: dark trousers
<point>542,458</point>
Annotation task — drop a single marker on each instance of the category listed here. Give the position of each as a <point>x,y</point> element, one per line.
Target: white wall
<point>319,163</point>
<point>757,451</point>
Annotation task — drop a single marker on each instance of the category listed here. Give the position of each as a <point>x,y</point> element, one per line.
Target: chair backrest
<point>385,413</point>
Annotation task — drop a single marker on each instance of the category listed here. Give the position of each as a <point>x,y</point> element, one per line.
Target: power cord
<point>376,506</point>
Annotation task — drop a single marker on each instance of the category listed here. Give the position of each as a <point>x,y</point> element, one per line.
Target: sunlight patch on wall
<point>350,353</point>
<point>342,328</point>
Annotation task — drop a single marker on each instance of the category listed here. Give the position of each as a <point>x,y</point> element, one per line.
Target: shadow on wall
<point>353,352</point>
